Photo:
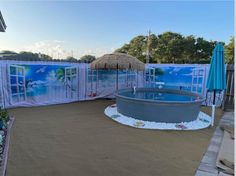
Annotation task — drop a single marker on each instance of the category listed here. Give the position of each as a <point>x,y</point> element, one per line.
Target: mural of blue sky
<point>37,78</point>
<point>46,73</point>
<point>177,77</point>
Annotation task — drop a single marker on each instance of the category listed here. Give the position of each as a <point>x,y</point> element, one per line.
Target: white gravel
<point>203,121</point>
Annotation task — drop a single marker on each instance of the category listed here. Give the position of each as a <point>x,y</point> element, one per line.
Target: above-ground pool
<point>159,105</point>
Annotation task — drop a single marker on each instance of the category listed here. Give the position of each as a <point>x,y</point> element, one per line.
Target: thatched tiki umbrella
<point>117,61</point>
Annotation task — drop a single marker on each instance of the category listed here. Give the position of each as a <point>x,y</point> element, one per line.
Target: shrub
<point>4,118</point>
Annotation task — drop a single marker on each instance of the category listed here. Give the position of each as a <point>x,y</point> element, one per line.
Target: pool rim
<point>174,91</point>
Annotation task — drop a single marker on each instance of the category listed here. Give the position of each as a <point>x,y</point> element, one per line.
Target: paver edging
<point>208,164</point>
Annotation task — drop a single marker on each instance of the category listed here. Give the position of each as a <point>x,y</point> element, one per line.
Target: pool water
<point>159,96</point>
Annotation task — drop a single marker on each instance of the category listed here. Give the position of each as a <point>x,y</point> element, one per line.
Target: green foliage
<point>29,56</point>
<point>153,41</point>
<point>170,47</point>
<point>189,47</point>
<point>71,59</point>
<point>7,52</point>
<point>24,56</point>
<point>4,114</point>
<point>137,47</point>
<point>203,50</point>
<point>60,74</point>
<point>87,58</point>
<point>124,49</point>
<point>229,52</point>
<point>4,118</point>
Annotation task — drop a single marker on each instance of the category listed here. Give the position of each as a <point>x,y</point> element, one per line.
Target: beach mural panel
<point>104,83</point>
<point>187,77</point>
<point>39,84</point>
<point>182,77</point>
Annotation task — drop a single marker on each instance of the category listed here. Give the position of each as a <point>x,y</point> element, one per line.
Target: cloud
<point>96,51</point>
<point>51,77</point>
<point>58,49</point>
<point>49,47</point>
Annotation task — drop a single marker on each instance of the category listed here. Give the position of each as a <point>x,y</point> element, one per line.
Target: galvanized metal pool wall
<point>157,110</point>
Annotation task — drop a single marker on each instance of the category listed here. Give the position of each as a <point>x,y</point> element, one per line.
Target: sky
<point>76,28</point>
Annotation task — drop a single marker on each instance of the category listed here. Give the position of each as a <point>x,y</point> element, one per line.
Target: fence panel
<point>228,101</point>
<point>24,83</point>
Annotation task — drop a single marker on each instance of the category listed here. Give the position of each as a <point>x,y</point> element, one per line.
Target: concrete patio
<point>78,139</point>
<point>207,165</point>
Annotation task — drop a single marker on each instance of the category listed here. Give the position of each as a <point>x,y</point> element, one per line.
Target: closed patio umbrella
<point>216,81</point>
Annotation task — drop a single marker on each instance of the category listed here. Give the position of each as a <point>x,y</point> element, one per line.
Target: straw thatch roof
<point>117,61</point>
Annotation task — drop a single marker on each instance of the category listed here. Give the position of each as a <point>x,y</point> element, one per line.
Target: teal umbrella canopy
<point>216,78</point>
<point>216,81</point>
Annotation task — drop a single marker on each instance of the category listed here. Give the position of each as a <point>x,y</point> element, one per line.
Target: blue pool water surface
<point>159,96</point>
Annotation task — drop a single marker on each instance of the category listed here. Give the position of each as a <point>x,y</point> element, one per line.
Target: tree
<point>45,57</point>
<point>71,59</point>
<point>87,58</point>
<point>137,47</point>
<point>189,48</point>
<point>153,40</point>
<point>29,56</point>
<point>24,56</point>
<point>204,50</point>
<point>229,52</point>
<point>123,49</point>
<point>169,47</point>
<point>7,52</point>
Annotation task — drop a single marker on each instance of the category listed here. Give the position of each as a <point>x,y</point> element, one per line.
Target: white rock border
<point>203,121</point>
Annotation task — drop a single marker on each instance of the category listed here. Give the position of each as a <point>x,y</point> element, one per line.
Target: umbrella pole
<point>117,72</point>
<point>213,109</point>
<point>97,81</point>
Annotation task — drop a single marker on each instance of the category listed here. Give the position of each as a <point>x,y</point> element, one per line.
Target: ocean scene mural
<point>42,83</point>
<point>188,78</point>
<point>104,82</point>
